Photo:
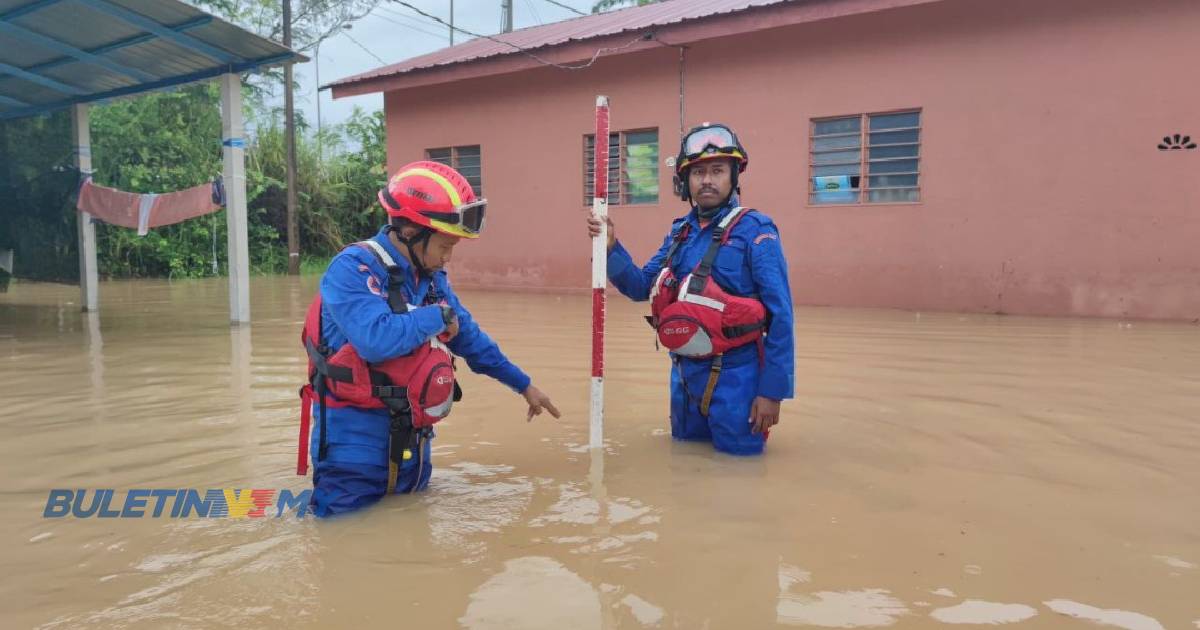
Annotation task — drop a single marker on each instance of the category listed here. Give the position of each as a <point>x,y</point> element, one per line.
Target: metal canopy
<point>57,53</point>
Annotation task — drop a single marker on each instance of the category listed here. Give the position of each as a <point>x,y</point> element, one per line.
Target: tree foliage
<point>606,5</point>
<point>168,141</point>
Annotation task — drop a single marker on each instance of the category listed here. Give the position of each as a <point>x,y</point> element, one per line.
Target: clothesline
<point>143,211</point>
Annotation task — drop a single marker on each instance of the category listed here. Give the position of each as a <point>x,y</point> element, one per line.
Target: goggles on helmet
<point>716,139</point>
<point>470,216</point>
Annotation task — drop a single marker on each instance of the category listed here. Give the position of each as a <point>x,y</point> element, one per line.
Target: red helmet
<point>435,196</point>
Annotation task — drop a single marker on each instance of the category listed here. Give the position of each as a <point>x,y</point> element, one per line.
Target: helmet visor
<point>717,139</point>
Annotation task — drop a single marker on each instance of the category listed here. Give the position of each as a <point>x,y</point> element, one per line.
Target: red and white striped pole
<point>599,271</point>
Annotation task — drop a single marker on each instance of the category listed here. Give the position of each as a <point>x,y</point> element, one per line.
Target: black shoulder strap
<point>718,238</point>
<point>395,294</point>
<point>678,237</point>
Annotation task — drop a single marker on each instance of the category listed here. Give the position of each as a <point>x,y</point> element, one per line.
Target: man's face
<point>710,182</point>
<point>438,251</point>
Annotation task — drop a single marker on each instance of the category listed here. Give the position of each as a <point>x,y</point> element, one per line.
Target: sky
<point>392,33</point>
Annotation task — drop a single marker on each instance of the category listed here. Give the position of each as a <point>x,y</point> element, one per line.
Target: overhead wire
<point>567,7</point>
<point>642,37</point>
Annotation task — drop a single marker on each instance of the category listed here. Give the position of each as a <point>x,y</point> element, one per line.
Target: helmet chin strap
<point>421,237</point>
<point>708,213</point>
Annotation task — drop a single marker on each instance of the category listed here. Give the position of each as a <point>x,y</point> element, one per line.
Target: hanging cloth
<point>145,211</point>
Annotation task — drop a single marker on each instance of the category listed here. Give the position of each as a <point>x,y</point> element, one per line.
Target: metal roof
<point>623,31</point>
<point>574,29</point>
<point>55,53</point>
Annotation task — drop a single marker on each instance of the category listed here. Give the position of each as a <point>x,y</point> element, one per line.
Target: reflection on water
<point>974,611</point>
<point>934,470</point>
<point>1116,618</point>
<point>646,613</point>
<point>473,499</point>
<point>849,609</point>
<point>534,592</point>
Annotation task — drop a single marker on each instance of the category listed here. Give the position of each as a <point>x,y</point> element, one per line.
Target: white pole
<point>233,148</point>
<point>320,148</point>
<point>599,272</point>
<point>89,275</point>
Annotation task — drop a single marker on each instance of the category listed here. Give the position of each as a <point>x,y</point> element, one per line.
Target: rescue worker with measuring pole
<point>719,300</point>
<point>380,339</point>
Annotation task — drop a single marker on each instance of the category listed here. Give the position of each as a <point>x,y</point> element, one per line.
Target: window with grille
<point>632,167</point>
<point>465,160</point>
<point>870,158</point>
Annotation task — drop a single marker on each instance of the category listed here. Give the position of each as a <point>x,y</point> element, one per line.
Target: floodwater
<point>935,470</point>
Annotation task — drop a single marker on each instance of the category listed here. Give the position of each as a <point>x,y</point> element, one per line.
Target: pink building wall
<point>1043,191</point>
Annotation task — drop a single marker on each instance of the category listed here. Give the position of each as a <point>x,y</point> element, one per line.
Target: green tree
<point>162,142</point>
<point>313,21</point>
<point>159,143</point>
<point>36,188</point>
<point>605,5</point>
<point>168,141</point>
<point>336,196</point>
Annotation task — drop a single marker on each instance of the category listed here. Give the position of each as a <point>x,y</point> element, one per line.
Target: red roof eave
<point>748,20</point>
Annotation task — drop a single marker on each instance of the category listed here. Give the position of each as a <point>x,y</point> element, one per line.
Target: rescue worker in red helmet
<point>720,301</point>
<point>380,337</point>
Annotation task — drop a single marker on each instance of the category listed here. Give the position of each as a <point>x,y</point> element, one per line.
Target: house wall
<point>1043,191</point>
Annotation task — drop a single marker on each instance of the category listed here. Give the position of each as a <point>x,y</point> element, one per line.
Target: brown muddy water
<point>934,470</point>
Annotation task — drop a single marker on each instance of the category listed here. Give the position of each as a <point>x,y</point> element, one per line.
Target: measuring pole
<point>599,271</point>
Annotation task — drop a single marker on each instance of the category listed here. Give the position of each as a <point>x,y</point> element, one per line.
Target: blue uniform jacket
<point>355,310</point>
<point>750,263</point>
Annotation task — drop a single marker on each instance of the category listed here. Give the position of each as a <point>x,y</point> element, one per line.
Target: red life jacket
<point>419,385</point>
<point>696,318</point>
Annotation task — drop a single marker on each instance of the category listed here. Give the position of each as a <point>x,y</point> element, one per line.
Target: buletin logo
<point>176,503</point>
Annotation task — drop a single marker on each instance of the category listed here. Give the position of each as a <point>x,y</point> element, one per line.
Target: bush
<point>169,141</point>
